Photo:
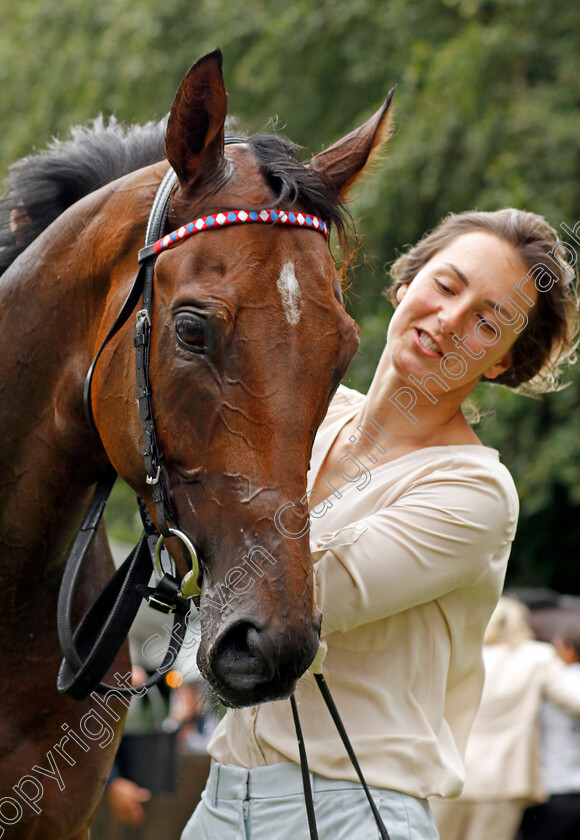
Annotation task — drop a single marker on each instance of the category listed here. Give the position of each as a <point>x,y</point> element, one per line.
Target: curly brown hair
<point>551,335</point>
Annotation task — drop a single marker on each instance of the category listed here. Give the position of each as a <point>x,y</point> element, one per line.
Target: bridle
<point>143,288</point>
<point>90,651</point>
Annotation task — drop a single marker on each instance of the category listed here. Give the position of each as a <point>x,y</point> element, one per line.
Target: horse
<point>249,338</point>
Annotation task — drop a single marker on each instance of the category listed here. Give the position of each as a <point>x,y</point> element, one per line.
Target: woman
<point>559,816</point>
<point>503,767</point>
<point>410,552</point>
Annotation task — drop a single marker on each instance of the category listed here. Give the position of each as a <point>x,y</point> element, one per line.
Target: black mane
<point>40,186</point>
<point>293,182</point>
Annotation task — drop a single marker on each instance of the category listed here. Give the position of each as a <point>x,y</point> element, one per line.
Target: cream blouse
<point>409,565</point>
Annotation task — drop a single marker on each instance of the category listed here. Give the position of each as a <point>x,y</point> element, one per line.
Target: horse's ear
<point>345,160</point>
<point>195,131</point>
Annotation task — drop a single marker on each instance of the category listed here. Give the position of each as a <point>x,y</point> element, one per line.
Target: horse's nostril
<point>244,656</point>
<point>250,664</point>
<point>240,639</point>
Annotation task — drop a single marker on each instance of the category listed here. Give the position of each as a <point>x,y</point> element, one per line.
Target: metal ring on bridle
<point>189,586</point>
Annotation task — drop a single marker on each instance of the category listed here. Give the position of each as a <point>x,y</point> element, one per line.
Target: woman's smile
<point>426,344</point>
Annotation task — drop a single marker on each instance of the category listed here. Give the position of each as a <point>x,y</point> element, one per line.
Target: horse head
<point>249,340</point>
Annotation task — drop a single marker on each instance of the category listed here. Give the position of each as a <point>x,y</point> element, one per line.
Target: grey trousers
<point>267,803</point>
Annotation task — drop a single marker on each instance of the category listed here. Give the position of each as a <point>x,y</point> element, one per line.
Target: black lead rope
<point>305,772</point>
<point>308,798</point>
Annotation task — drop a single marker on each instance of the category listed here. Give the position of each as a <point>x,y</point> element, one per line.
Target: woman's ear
<point>401,292</point>
<point>499,367</point>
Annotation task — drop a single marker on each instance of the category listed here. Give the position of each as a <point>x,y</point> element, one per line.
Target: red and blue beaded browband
<point>234,217</point>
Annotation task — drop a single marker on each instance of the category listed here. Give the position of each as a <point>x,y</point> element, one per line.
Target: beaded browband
<point>234,217</point>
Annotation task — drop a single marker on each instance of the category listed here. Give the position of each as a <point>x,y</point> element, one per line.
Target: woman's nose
<point>451,318</point>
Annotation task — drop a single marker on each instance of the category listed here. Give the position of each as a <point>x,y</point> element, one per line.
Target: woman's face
<point>447,320</point>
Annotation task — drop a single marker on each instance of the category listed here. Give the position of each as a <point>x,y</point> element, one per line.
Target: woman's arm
<point>442,535</point>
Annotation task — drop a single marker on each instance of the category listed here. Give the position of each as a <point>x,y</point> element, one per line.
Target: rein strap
<point>308,797</point>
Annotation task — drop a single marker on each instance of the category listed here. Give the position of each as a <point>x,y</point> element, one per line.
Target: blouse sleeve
<point>441,534</point>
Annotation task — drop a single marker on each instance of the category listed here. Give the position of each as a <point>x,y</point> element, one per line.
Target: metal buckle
<point>189,586</point>
<point>160,606</point>
<point>155,478</point>
<point>143,313</point>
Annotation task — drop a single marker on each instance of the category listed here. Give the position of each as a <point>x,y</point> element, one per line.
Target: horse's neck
<point>52,312</point>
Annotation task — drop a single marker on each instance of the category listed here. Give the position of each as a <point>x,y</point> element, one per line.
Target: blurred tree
<point>487,112</point>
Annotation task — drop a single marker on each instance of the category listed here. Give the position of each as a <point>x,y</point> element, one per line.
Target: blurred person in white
<point>559,817</point>
<point>503,767</point>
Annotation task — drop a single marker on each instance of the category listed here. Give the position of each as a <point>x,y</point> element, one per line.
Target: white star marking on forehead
<point>290,293</point>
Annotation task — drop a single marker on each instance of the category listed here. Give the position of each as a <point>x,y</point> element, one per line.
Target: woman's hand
<point>126,801</point>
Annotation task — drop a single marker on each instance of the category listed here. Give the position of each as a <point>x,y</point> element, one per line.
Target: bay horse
<point>249,339</point>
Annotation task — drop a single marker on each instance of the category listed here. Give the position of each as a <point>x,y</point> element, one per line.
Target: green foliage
<point>487,115</point>
<point>122,516</point>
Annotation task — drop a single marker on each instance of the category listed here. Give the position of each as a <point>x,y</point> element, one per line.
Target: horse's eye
<point>190,331</point>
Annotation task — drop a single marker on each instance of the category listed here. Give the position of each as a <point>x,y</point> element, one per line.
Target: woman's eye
<point>487,326</point>
<point>442,286</point>
<point>190,331</point>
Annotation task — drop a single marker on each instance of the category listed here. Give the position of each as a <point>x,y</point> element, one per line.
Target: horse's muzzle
<point>249,665</point>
